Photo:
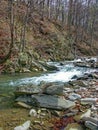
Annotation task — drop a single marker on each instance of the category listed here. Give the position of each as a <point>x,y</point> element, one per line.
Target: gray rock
<point>48,66</point>
<point>91,125</point>
<point>42,66</point>
<point>25,99</point>
<point>54,89</point>
<point>91,119</point>
<point>35,66</point>
<point>68,90</point>
<point>27,89</point>
<point>89,100</point>
<point>54,102</point>
<point>82,64</point>
<point>74,96</point>
<point>78,83</point>
<point>46,101</point>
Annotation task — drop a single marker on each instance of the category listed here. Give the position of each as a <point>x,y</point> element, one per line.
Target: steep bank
<point>45,39</point>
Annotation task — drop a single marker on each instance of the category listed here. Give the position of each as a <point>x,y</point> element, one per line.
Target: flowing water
<point>65,72</point>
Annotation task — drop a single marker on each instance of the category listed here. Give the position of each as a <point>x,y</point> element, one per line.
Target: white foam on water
<point>65,74</point>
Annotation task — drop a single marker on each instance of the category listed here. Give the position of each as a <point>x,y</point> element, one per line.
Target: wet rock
<point>47,66</point>
<point>25,99</point>
<point>93,75</point>
<point>25,126</point>
<point>74,77</point>
<point>82,64</point>
<point>78,83</point>
<point>53,89</point>
<point>74,126</point>
<point>42,66</point>
<point>91,125</point>
<point>74,96</point>
<point>35,66</point>
<point>46,101</point>
<point>25,70</point>
<point>27,89</point>
<point>54,102</point>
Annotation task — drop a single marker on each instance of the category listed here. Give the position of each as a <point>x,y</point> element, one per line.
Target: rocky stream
<point>63,99</point>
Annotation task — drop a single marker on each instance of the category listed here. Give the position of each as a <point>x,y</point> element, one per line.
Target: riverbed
<point>66,72</point>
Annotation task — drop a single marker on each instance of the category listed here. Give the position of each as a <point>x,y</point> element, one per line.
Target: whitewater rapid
<point>65,73</point>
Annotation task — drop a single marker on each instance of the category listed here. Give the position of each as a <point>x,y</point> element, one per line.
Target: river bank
<point>85,110</point>
<point>80,91</point>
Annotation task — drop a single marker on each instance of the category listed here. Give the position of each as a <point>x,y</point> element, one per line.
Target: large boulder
<point>46,101</point>
<point>27,90</point>
<point>53,102</point>
<point>46,88</point>
<point>53,88</point>
<point>48,66</point>
<point>42,66</point>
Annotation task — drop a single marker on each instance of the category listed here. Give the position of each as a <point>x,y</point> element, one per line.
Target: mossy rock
<point>23,58</point>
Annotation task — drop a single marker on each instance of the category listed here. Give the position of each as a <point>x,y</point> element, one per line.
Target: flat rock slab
<point>27,89</point>
<point>46,101</point>
<point>53,102</point>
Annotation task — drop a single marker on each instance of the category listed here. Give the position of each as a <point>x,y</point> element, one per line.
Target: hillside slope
<point>45,39</point>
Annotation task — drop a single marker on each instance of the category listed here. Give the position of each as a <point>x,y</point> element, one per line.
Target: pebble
<point>74,96</point>
<point>89,100</point>
<point>33,112</point>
